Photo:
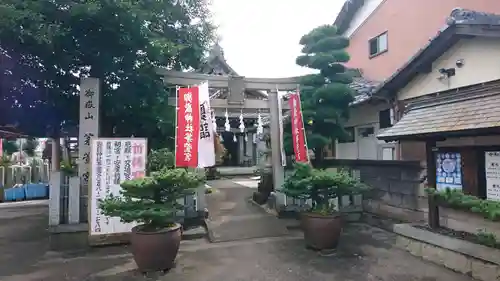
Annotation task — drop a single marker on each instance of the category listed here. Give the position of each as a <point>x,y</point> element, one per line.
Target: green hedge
<point>455,199</point>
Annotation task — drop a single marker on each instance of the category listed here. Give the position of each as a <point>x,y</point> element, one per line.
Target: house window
<point>388,153</point>
<point>385,118</point>
<point>366,132</point>
<point>378,45</point>
<point>350,136</point>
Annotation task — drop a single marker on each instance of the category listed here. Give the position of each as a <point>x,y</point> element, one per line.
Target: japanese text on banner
<point>206,150</point>
<point>188,127</point>
<point>298,137</point>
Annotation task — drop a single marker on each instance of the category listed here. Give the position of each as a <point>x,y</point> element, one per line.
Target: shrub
<point>320,186</point>
<point>68,168</point>
<point>456,199</point>
<point>152,200</point>
<point>159,159</point>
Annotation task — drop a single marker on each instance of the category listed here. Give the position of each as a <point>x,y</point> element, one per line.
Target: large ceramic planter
<point>321,232</point>
<point>155,251</point>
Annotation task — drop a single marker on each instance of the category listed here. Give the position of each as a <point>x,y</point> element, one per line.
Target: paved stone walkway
<point>365,254</point>
<point>233,218</point>
<point>248,183</point>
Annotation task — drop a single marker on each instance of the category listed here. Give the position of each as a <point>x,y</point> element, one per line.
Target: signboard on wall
<point>113,161</point>
<point>448,170</point>
<point>492,173</point>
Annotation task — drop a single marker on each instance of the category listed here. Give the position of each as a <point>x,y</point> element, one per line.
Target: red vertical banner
<point>1,147</point>
<point>188,127</point>
<point>298,133</point>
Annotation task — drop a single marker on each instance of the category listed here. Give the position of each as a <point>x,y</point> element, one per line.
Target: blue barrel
<point>15,194</point>
<point>36,191</point>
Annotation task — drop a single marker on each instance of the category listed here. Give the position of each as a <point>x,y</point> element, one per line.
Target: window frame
<point>387,113</point>
<point>377,38</point>
<point>366,131</point>
<point>352,132</point>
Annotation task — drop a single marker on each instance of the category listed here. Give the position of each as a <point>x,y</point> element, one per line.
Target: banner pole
<point>281,126</point>
<point>303,124</point>
<point>176,117</point>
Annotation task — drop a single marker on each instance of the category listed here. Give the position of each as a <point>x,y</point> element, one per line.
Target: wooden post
<point>430,148</point>
<point>433,212</point>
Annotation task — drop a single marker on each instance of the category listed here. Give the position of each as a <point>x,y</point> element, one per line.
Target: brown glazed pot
<point>155,251</point>
<point>321,232</point>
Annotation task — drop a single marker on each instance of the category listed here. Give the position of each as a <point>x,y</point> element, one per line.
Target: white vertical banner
<point>280,118</point>
<point>206,150</point>
<point>113,162</point>
<point>88,129</point>
<point>492,172</point>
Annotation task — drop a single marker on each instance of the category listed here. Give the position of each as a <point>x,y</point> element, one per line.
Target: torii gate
<point>236,86</point>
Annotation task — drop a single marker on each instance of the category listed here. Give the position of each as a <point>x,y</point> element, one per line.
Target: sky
<point>260,37</point>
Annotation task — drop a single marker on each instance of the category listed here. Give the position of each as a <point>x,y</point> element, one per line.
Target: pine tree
<point>325,95</point>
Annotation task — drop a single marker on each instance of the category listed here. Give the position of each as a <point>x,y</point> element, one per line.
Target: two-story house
<point>450,92</point>
<point>384,35</point>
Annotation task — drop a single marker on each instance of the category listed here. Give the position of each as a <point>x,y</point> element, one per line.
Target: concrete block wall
<point>397,188</point>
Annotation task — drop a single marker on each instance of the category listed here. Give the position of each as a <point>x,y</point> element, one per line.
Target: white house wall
<point>369,148</point>
<point>481,57</point>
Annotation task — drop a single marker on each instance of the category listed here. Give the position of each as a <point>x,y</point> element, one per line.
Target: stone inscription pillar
<point>89,128</point>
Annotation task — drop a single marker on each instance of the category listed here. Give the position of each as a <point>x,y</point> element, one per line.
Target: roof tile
<point>475,113</point>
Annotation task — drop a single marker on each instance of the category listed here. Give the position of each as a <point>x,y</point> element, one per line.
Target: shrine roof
<point>216,64</point>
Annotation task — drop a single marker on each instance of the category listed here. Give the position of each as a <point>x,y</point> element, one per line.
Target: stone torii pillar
<point>276,146</point>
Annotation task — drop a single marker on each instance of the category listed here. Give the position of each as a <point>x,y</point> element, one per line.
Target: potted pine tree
<point>152,203</point>
<point>322,223</point>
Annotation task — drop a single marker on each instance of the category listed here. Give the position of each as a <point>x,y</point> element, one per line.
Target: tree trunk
<point>318,156</point>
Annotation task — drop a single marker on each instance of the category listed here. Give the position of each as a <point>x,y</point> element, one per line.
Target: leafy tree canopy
<point>325,95</point>
<point>47,45</point>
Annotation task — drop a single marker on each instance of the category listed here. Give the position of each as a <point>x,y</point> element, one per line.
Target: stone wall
<point>397,186</point>
<point>478,261</point>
